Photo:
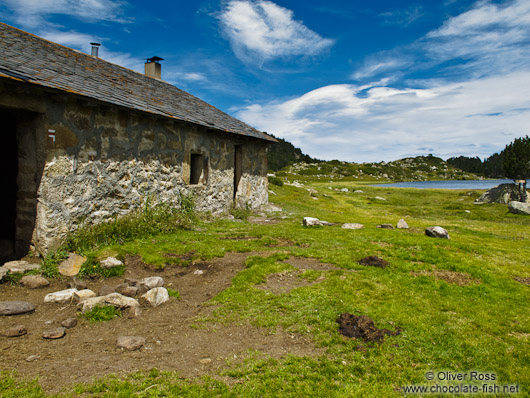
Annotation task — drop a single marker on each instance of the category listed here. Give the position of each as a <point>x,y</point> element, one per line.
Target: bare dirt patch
<point>374,261</point>
<point>173,340</point>
<point>453,277</point>
<point>362,328</point>
<point>304,263</point>
<point>263,220</point>
<point>524,281</point>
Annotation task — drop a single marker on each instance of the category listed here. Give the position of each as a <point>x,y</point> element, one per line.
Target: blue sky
<point>351,80</point>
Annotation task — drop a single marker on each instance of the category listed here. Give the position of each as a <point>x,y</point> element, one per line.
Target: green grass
<point>173,293</point>
<point>483,326</point>
<point>102,313</point>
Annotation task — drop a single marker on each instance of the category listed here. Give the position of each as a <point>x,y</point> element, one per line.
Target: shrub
<point>276,181</point>
<point>101,314</point>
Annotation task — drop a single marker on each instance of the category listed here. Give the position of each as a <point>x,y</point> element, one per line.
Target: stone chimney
<point>153,68</point>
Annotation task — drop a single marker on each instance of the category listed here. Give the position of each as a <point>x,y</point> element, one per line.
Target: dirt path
<point>173,342</point>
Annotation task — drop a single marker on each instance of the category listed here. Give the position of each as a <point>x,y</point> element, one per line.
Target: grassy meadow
<point>456,302</point>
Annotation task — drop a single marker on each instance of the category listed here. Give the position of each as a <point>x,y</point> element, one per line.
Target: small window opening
<point>198,169</point>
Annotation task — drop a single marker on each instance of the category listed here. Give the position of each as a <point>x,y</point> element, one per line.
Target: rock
<point>34,281</point>
<point>156,296</point>
<point>72,265</point>
<point>69,323</point>
<point>126,290</point>
<point>379,198</point>
<point>467,211</point>
<point>19,267</point>
<point>198,272</point>
<point>358,191</point>
<point>15,307</point>
<point>402,224</point>
<point>205,361</point>
<point>62,296</point>
<point>134,312</point>
<point>110,262</point>
<point>32,358</point>
<point>386,226</point>
<point>77,283</point>
<point>311,221</point>
<point>16,331</point>
<point>352,225</point>
<point>345,190</point>
<point>106,290</point>
<point>53,334</point>
<point>115,299</point>
<point>131,343</point>
<point>3,272</point>
<point>131,281</point>
<point>326,224</point>
<point>503,193</point>
<point>152,282</point>
<point>437,232</point>
<point>519,208</point>
<point>84,294</point>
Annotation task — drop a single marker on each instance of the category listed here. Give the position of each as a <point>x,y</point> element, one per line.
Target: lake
<point>447,184</point>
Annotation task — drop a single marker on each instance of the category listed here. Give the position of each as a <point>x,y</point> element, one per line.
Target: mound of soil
<point>374,261</point>
<point>363,328</point>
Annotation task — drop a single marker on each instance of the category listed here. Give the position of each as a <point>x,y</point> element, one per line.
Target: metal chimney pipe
<point>95,49</point>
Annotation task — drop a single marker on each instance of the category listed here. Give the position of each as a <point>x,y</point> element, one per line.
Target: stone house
<point>86,140</point>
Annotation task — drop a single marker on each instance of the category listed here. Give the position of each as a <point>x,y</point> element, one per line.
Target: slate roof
<point>29,58</point>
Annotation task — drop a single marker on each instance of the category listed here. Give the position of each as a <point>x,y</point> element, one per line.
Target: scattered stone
<point>345,190</point>
<point>374,261</point>
<point>62,296</point>
<point>352,225</point>
<point>467,211</point>
<point>358,191</point>
<point>76,283</point>
<point>134,311</point>
<point>311,221</point>
<point>131,281</point>
<point>84,294</point>
<point>69,323</point>
<point>110,262</point>
<point>72,265</point>
<point>437,232</point>
<point>106,290</point>
<point>15,307</point>
<point>16,331</point>
<point>198,272</point>
<point>126,290</point>
<point>386,226</point>
<point>152,282</point>
<point>20,266</point>
<point>34,281</point>
<point>519,208</point>
<point>503,193</point>
<point>54,334</point>
<point>362,327</point>
<point>326,224</point>
<point>379,198</point>
<point>205,361</point>
<point>131,343</point>
<point>402,224</point>
<point>32,358</point>
<point>115,299</point>
<point>3,272</point>
<point>156,296</point>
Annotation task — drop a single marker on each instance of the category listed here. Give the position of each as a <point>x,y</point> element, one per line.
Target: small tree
<point>516,162</point>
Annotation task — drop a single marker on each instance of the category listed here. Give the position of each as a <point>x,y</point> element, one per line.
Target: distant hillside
<point>284,153</point>
<point>421,168</point>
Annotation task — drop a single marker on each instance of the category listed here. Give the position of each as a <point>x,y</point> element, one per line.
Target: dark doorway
<point>198,169</point>
<point>238,160</point>
<point>8,182</point>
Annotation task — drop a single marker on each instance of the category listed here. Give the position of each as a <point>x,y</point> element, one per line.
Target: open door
<point>8,182</point>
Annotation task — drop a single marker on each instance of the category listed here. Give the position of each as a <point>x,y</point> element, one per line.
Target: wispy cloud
<point>403,17</point>
<point>373,123</point>
<point>34,13</point>
<point>261,30</point>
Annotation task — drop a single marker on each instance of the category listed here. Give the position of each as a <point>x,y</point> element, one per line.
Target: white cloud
<point>380,123</point>
<point>33,13</point>
<point>261,30</point>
